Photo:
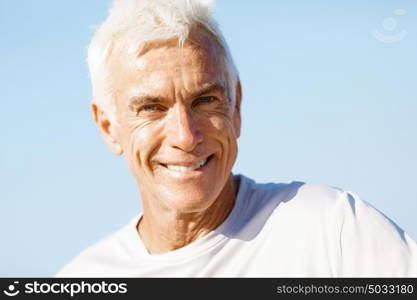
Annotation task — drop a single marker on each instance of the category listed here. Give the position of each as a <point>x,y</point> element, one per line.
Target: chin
<point>189,201</point>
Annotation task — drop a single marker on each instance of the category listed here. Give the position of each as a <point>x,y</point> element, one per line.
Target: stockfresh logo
<point>390,32</point>
<point>11,290</point>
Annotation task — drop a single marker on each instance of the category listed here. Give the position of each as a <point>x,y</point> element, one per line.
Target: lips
<point>186,167</point>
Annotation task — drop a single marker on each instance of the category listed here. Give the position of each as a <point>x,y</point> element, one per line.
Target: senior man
<point>167,96</point>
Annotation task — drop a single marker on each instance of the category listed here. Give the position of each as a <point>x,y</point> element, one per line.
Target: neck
<point>174,230</point>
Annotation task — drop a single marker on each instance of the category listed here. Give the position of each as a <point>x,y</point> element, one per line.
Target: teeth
<point>185,169</point>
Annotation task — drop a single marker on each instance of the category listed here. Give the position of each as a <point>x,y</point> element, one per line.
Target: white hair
<point>133,23</point>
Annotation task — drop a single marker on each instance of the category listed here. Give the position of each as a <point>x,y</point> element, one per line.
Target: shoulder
<point>297,205</point>
<point>100,258</point>
<point>363,241</point>
<point>324,201</point>
<point>338,207</point>
<point>296,197</point>
<point>367,241</point>
<point>305,206</point>
<point>317,196</point>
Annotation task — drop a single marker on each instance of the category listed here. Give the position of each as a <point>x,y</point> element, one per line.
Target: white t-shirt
<point>273,230</point>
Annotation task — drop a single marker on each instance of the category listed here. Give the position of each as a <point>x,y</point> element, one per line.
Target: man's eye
<point>204,100</point>
<point>151,108</point>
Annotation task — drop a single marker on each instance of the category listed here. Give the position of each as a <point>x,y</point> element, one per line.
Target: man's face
<point>177,125</point>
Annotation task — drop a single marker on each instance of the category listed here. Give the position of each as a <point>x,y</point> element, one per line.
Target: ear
<point>107,128</point>
<point>236,114</point>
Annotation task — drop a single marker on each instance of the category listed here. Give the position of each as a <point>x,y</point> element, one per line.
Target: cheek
<point>224,132</point>
<point>140,145</point>
<point>223,128</point>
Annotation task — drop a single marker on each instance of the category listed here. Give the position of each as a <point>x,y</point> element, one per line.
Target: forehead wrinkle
<point>154,84</point>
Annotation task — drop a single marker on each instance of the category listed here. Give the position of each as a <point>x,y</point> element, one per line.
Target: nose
<point>184,132</point>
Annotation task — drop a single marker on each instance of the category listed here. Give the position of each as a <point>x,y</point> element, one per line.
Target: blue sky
<point>327,99</point>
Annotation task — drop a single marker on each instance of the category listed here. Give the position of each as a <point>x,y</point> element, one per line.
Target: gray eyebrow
<point>210,88</point>
<point>140,100</point>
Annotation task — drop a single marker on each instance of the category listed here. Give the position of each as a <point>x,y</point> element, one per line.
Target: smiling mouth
<point>182,168</point>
